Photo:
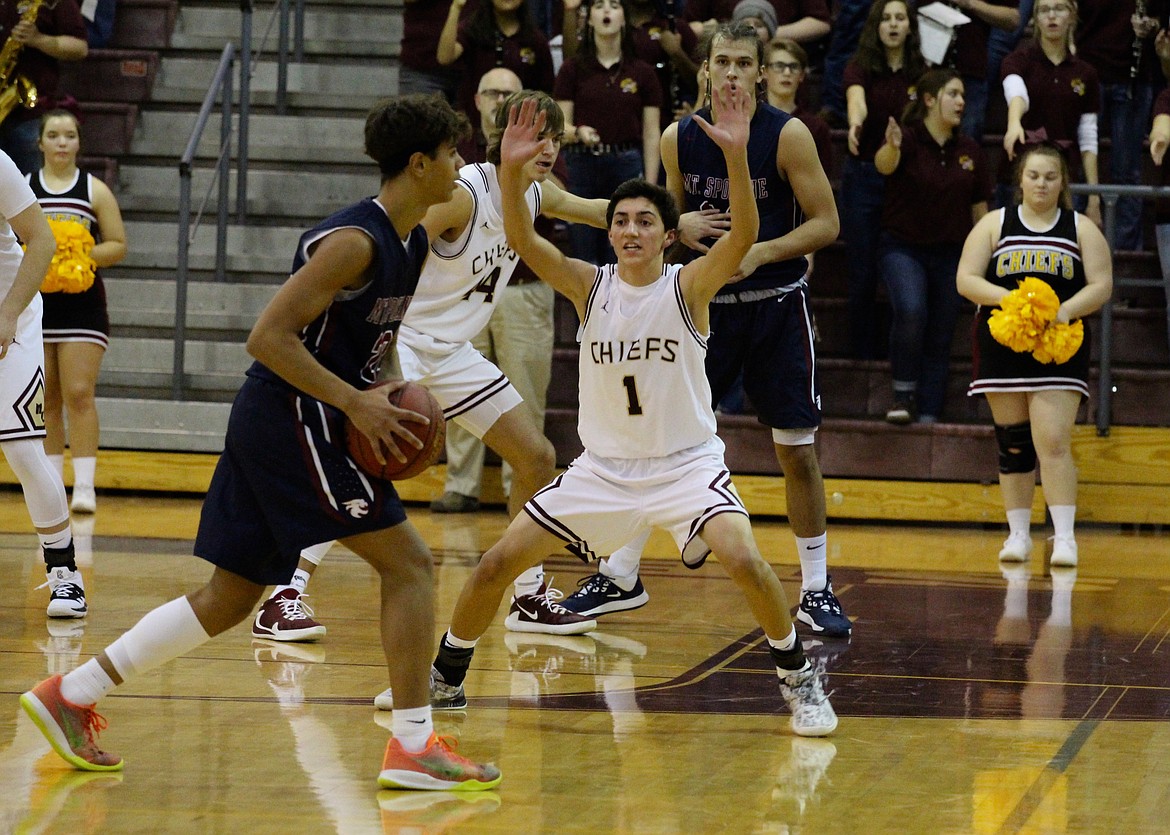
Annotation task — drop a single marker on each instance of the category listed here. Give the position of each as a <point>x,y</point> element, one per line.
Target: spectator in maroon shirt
<point>1119,44</point>
<point>938,189</point>
<point>660,40</point>
<point>57,34</point>
<point>611,101</point>
<point>802,21</point>
<point>419,69</point>
<point>878,84</point>
<point>1053,95</point>
<point>500,33</point>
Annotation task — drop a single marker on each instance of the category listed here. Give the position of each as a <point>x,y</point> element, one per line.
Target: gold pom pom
<point>1023,315</point>
<point>1060,342</point>
<point>72,268</point>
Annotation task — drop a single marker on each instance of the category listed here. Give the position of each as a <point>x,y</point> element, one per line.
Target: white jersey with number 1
<point>643,386</point>
<point>462,279</point>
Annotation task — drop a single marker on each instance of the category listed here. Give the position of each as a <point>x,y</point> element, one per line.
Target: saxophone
<point>16,89</point>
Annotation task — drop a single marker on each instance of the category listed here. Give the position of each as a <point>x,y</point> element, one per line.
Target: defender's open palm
<point>521,141</point>
<point>731,109</point>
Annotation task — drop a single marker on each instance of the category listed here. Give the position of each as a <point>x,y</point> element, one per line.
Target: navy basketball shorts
<point>283,483</point>
<point>771,341</point>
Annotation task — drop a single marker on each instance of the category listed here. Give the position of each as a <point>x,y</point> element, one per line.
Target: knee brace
<point>1017,454</point>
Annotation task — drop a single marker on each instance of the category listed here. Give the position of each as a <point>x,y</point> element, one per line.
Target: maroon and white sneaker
<point>540,612</point>
<point>287,617</point>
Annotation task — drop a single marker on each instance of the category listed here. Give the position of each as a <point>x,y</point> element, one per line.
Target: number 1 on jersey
<point>635,408</point>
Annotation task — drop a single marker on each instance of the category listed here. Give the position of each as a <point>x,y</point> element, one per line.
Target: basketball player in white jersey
<point>652,458</point>
<point>469,265</point>
<point>22,385</point>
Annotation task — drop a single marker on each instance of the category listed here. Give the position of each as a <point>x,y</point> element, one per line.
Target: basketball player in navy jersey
<point>652,458</point>
<point>285,481</point>
<point>761,324</point>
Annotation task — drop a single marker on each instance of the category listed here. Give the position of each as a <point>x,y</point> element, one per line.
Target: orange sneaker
<point>436,768</point>
<point>71,729</point>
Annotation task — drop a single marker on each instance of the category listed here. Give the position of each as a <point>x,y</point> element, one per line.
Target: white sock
<point>1064,518</point>
<point>86,684</point>
<point>412,727</point>
<point>60,539</point>
<point>299,581</point>
<point>530,581</point>
<point>786,643</point>
<point>458,643</point>
<point>316,553</point>
<point>1020,521</point>
<point>58,462</point>
<point>165,633</point>
<point>813,568</point>
<point>623,564</point>
<point>83,471</point>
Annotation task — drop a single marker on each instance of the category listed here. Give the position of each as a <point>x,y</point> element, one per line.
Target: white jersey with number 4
<point>462,279</point>
<point>643,388</point>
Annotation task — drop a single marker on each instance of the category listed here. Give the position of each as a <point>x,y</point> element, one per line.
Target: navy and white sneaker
<point>599,595</point>
<point>821,610</point>
<point>66,593</point>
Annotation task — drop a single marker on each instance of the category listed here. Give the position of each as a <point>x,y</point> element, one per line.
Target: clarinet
<point>1138,45</point>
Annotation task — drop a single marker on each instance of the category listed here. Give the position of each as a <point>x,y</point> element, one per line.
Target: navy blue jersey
<point>352,336</point>
<point>705,182</point>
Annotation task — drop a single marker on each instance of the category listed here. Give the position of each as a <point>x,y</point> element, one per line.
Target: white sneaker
<point>812,715</point>
<point>66,594</point>
<point>84,499</point>
<point>1064,551</point>
<point>1016,548</point>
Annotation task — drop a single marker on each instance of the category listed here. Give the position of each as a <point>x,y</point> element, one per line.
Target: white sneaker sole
<point>513,623</point>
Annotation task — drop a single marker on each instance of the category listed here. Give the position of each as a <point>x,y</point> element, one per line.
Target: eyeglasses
<point>495,94</point>
<point>782,66</point>
<point>1056,11</point>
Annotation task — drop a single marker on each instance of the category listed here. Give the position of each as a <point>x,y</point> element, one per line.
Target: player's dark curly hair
<point>399,127</point>
<point>653,192</point>
<point>554,119</point>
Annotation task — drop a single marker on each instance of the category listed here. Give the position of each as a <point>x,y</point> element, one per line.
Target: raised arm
<point>703,277</point>
<point>520,144</point>
<point>449,49</point>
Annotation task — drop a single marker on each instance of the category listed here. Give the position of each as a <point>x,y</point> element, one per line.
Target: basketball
<point>417,398</point>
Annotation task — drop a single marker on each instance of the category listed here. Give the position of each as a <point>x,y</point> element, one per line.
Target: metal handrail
<point>1109,195</point>
<point>221,87</point>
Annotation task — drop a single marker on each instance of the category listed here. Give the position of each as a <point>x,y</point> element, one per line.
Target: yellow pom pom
<point>72,268</point>
<point>1059,342</point>
<point>1023,315</point>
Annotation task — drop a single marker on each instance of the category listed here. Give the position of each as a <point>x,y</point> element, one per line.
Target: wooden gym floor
<point>972,699</point>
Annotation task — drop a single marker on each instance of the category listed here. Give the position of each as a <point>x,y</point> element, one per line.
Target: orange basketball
<point>417,398</point>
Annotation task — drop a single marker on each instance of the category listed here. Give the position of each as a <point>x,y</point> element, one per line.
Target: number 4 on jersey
<point>487,286</point>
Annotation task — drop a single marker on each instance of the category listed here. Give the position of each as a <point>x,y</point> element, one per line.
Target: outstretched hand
<point>731,109</point>
<point>521,141</point>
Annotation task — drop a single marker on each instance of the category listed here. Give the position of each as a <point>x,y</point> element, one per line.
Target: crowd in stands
<point>1018,73</point>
